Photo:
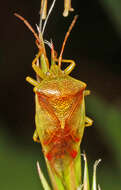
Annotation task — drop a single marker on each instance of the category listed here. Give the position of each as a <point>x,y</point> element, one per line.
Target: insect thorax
<point>61,92</point>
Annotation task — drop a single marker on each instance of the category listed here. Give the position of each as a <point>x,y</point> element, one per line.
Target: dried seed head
<point>67,7</point>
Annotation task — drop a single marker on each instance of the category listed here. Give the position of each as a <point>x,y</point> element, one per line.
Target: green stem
<point>69,177</point>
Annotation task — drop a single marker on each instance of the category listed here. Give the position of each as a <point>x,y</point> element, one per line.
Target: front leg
<point>68,69</point>
<point>36,68</point>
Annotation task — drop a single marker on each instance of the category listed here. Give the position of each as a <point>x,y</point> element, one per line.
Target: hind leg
<point>88,121</point>
<point>36,137</point>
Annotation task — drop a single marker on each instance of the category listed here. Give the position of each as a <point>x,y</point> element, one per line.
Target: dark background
<point>95,45</point>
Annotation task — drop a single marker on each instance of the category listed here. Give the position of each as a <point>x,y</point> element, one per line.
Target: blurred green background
<point>95,45</point>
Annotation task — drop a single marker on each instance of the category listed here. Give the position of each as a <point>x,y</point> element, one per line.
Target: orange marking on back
<point>79,98</point>
<point>45,104</point>
<point>62,144</point>
<point>73,153</point>
<point>61,140</point>
<point>49,156</point>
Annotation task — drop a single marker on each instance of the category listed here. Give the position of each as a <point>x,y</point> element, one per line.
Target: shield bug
<point>60,102</point>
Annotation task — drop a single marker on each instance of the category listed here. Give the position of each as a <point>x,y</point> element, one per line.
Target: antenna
<point>65,39</point>
<point>28,25</point>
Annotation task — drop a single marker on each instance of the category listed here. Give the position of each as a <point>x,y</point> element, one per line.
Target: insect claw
<point>88,121</point>
<point>87,92</point>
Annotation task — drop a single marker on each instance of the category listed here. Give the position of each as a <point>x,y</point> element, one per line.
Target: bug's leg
<point>36,136</point>
<point>88,121</point>
<point>87,92</point>
<point>68,69</point>
<point>36,68</point>
<point>32,81</point>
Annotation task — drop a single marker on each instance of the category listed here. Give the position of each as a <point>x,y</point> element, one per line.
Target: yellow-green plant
<point>84,185</point>
<point>67,8</point>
